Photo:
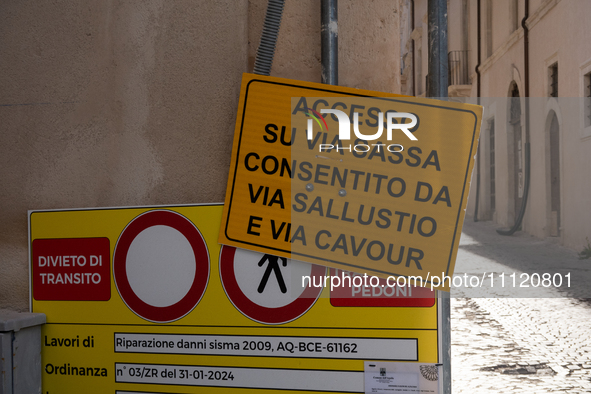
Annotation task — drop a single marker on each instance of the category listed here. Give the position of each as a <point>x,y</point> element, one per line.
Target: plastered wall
<point>108,103</point>
<point>125,103</point>
<point>549,43</point>
<point>369,44</point>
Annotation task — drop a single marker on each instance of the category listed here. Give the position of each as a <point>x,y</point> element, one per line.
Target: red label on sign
<point>353,289</point>
<point>71,269</point>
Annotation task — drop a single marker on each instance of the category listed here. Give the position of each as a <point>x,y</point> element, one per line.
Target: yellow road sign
<point>351,179</point>
<point>145,300</point>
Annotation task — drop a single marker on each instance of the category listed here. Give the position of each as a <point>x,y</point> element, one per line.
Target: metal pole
<point>477,69</point>
<point>329,37</point>
<point>437,26</point>
<point>445,337</point>
<point>437,87</point>
<point>412,46</point>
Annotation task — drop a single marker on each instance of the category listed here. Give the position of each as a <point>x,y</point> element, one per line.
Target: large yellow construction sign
<point>145,300</point>
<point>351,179</point>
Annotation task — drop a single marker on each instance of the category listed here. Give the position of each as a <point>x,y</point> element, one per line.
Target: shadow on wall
<point>520,253</point>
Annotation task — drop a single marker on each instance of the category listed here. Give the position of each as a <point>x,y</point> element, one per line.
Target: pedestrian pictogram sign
<point>233,320</point>
<point>257,285</point>
<point>272,267</point>
<point>356,180</point>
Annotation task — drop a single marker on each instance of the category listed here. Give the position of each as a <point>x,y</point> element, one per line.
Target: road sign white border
<point>233,289</point>
<point>185,310</point>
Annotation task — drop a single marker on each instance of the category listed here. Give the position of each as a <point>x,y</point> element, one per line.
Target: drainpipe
<point>266,49</point>
<point>412,45</point>
<point>437,31</point>
<point>519,218</point>
<point>437,87</point>
<point>329,38</point>
<point>477,69</point>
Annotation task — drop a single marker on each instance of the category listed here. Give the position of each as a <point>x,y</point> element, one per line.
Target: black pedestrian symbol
<point>272,266</point>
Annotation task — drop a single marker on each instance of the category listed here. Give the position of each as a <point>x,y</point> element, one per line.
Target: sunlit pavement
<point>520,345</point>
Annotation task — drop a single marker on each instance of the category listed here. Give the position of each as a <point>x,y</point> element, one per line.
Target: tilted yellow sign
<point>351,179</point>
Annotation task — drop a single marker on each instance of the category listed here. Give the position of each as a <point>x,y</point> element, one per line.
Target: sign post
<point>437,87</point>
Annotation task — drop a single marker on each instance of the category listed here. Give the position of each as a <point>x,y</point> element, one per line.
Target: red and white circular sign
<point>267,288</point>
<point>161,266</point>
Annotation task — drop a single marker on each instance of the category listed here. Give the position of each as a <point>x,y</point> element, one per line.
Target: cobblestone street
<point>520,345</point>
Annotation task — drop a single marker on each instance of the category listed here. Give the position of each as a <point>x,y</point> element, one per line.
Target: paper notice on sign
<point>401,378</point>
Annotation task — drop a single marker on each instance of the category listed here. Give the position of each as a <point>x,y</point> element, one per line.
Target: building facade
<point>129,103</point>
<point>536,148</point>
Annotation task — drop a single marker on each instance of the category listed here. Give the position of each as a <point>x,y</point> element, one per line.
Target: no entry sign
<point>161,284</point>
